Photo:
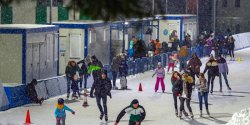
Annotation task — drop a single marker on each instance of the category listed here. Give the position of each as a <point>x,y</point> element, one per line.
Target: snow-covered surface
<point>23,26</point>
<point>159,107</point>
<point>240,118</point>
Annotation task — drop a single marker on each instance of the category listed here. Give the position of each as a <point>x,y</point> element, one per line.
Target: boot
<point>200,113</point>
<point>180,114</point>
<point>101,116</point>
<point>208,113</point>
<point>220,89</point>
<point>176,112</point>
<point>229,88</point>
<point>185,113</point>
<point>106,118</point>
<point>192,115</point>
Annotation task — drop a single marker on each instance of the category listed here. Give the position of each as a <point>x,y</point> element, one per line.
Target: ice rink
<point>159,106</point>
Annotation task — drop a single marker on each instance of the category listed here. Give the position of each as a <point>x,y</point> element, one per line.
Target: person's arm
<point>143,114</point>
<point>121,114</point>
<point>82,61</point>
<point>56,112</point>
<point>68,109</point>
<point>226,66</point>
<point>67,71</point>
<point>206,68</point>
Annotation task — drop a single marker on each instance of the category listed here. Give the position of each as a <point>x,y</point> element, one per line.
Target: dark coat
<point>31,92</point>
<point>102,87</point>
<point>212,68</point>
<point>96,73</point>
<point>193,62</point>
<point>176,85</point>
<point>123,68</point>
<point>84,69</point>
<point>74,85</point>
<point>71,71</point>
<point>115,64</point>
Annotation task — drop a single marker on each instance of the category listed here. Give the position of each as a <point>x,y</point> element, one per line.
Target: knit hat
<point>135,101</point>
<point>159,63</point>
<point>104,71</point>
<point>60,101</point>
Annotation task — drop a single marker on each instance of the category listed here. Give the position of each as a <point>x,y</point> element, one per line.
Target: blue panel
<point>86,37</point>
<point>46,29</point>
<point>24,58</point>
<point>80,26</point>
<point>11,31</point>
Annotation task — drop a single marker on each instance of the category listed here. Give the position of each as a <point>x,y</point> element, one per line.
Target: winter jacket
<point>160,72</point>
<point>115,64</point>
<point>131,49</point>
<point>193,63</point>
<point>212,68</point>
<point>71,71</point>
<point>222,64</point>
<point>123,68</point>
<point>187,87</point>
<point>60,111</point>
<point>136,115</point>
<point>164,47</point>
<point>157,48</point>
<point>176,85</point>
<point>102,87</point>
<point>95,67</point>
<point>231,43</point>
<point>151,46</point>
<point>84,69</point>
<point>31,91</point>
<point>201,85</point>
<point>74,85</point>
<point>183,51</point>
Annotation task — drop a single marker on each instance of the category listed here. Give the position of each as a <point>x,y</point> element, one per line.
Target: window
<point>224,3</point>
<point>237,3</point>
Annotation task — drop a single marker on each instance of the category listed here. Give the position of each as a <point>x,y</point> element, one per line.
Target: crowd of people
<point>188,76</point>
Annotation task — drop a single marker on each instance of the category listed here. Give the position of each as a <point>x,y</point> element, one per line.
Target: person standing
<point>123,71</point>
<point>75,87</point>
<point>194,64</point>
<point>70,71</point>
<point>231,47</point>
<point>114,68</point>
<point>137,113</point>
<point>213,71</point>
<point>151,48</point>
<point>131,51</point>
<point>176,88</point>
<point>202,87</point>
<point>95,67</point>
<point>160,72</point>
<point>171,62</point>
<point>102,87</point>
<point>223,71</point>
<point>185,94</point>
<point>183,54</point>
<point>83,73</point>
<point>157,47</point>
<point>60,113</point>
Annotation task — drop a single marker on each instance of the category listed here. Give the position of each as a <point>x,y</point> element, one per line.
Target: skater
<point>70,71</point>
<point>213,71</point>
<point>115,69</point>
<point>202,86</point>
<point>83,73</point>
<point>172,61</point>
<point>75,87</point>
<point>95,67</point>
<point>183,53</point>
<point>176,88</point>
<point>32,94</point>
<point>195,65</point>
<point>160,72</point>
<point>223,71</point>
<point>151,48</point>
<point>102,87</point>
<point>231,47</point>
<point>185,94</point>
<point>137,113</point>
<point>60,113</point>
<point>123,67</point>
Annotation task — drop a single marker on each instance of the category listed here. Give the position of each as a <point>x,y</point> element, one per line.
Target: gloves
<point>73,113</point>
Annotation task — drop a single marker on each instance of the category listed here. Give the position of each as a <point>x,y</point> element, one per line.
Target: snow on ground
<point>159,106</point>
<point>240,118</point>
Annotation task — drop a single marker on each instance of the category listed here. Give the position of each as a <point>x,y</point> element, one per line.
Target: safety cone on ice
<point>239,59</point>
<point>85,100</point>
<point>27,121</point>
<point>140,88</point>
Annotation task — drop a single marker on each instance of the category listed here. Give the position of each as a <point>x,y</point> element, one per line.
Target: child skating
<point>172,61</point>
<point>75,87</point>
<point>160,72</point>
<point>60,113</point>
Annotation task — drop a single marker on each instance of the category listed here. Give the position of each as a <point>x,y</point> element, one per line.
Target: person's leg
<point>188,105</point>
<point>205,95</point>
<point>157,84</point>
<point>208,82</point>
<point>175,102</point>
<point>220,80</point>
<point>172,65</point>
<point>58,121</point>
<point>225,77</point>
<point>162,85</point>
<point>114,74</point>
<point>104,101</point>
<point>92,87</point>
<point>200,100</point>
<point>212,84</point>
<point>85,81</point>
<point>81,80</point>
<point>230,53</point>
<point>185,63</point>
<point>169,65</point>
<point>68,87</point>
<point>182,100</point>
<point>233,52</point>
<point>63,121</point>
<point>98,101</point>
<point>131,123</point>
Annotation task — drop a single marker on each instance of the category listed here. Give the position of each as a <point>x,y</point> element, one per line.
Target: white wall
<point>170,25</point>
<point>242,40</point>
<point>65,45</point>
<point>11,58</point>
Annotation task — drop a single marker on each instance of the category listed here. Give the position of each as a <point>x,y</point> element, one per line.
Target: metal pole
<point>166,6</point>
<point>214,16</point>
<point>153,7</point>
<point>123,38</point>
<point>197,18</point>
<point>50,11</point>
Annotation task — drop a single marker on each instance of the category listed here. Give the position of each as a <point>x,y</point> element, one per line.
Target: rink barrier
<point>4,103</point>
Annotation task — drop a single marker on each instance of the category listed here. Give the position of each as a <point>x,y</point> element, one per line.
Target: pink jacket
<point>160,72</point>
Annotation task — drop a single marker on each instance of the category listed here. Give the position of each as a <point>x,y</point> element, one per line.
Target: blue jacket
<point>61,113</point>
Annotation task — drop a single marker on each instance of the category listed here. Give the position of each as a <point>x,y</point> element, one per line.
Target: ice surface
<point>240,118</point>
<point>159,107</point>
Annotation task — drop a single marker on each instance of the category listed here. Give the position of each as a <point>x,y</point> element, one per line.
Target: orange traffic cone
<point>140,88</point>
<point>85,102</point>
<point>27,122</point>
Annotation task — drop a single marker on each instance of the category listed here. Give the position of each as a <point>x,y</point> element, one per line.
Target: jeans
<point>175,101</point>
<point>183,63</point>
<point>211,80</point>
<point>85,77</point>
<point>60,121</point>
<point>68,85</point>
<point>158,80</point>
<point>92,87</point>
<point>171,65</point>
<point>202,95</point>
<point>225,78</point>
<point>182,101</point>
<point>231,53</point>
<point>104,101</point>
<point>114,76</point>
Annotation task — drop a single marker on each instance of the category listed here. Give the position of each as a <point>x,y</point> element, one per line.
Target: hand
<point>137,123</point>
<point>73,113</point>
<point>227,73</point>
<point>116,123</point>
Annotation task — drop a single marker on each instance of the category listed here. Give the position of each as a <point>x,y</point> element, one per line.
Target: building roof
<point>24,26</point>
